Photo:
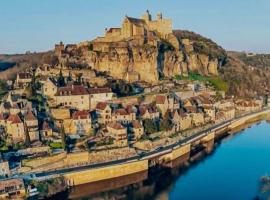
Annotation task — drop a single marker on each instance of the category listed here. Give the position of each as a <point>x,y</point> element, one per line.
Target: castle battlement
<point>139,27</point>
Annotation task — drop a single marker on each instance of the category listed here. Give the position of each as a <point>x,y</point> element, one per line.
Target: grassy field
<point>215,81</point>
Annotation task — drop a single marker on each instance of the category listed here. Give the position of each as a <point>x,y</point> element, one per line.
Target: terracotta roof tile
<point>101,105</point>
<point>116,125</point>
<point>160,99</point>
<point>30,116</point>
<point>15,119</point>
<point>136,124</point>
<point>99,90</point>
<point>72,90</point>
<point>82,114</point>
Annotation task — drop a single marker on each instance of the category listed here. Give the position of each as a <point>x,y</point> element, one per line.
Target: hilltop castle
<point>138,27</point>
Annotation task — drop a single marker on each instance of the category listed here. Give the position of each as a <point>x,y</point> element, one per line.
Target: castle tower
<point>159,16</point>
<point>147,17</point>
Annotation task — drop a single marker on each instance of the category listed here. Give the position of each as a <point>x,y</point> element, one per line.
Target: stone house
<point>229,113</point>
<point>148,112</point>
<point>31,122</point>
<point>79,123</point>
<point>119,133</point>
<point>197,119</point>
<point>247,106</point>
<point>99,95</point>
<point>74,96</point>
<point>196,116</point>
<point>210,112</point>
<point>12,189</point>
<point>123,115</point>
<point>4,169</point>
<point>15,128</point>
<point>104,113</point>
<point>136,130</point>
<point>181,121</point>
<point>162,103</point>
<point>23,79</point>
<point>45,131</point>
<point>49,87</point>
<point>185,121</point>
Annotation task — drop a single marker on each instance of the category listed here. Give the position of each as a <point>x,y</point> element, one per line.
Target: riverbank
<point>113,175</point>
<point>161,181</point>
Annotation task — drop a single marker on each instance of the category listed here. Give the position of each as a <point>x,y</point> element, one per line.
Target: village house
<point>79,123</point>
<point>123,115</point>
<point>32,126</point>
<point>181,121</point>
<point>247,106</point>
<point>196,116</point>
<point>148,112</point>
<point>119,133</point>
<point>42,70</point>
<point>15,128</point>
<point>99,95</point>
<point>45,131</point>
<point>210,112</point>
<point>12,189</point>
<point>103,112</point>
<point>74,96</point>
<point>229,113</point>
<point>49,87</point>
<point>14,104</point>
<point>4,169</point>
<point>23,79</point>
<point>136,130</point>
<point>165,102</point>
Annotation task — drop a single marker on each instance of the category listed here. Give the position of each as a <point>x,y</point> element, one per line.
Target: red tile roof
<point>136,124</point>
<point>72,90</point>
<point>160,99</point>
<point>15,119</point>
<point>120,111</point>
<point>10,182</point>
<point>82,114</point>
<point>116,125</point>
<point>24,75</point>
<point>30,116</point>
<point>99,90</point>
<point>101,105</point>
<point>45,126</point>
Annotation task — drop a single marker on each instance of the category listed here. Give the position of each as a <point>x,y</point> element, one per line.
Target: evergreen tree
<point>63,136</point>
<point>61,79</point>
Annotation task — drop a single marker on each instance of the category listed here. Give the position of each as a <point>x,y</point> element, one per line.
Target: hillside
<point>247,76</point>
<point>11,64</point>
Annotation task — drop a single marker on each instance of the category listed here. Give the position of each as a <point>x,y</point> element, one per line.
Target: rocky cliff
<point>152,58</point>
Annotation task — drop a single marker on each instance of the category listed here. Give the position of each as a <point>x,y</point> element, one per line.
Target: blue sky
<point>36,25</point>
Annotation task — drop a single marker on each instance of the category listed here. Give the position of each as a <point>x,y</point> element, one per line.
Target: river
<point>231,171</point>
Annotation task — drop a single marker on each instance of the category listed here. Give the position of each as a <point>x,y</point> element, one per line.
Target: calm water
<point>231,172</point>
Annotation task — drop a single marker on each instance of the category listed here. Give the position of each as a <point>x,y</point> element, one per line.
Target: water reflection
<point>158,183</point>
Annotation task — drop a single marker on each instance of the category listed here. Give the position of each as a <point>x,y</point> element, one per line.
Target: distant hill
<point>11,64</point>
<point>247,75</point>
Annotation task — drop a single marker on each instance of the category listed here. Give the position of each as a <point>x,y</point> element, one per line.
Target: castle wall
<point>163,26</point>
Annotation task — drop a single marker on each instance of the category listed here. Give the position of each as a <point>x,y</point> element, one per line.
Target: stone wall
<point>103,173</point>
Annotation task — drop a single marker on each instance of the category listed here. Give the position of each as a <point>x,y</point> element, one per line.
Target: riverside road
<point>146,155</point>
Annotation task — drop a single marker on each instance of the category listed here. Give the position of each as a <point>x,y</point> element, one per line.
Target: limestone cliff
<point>152,58</point>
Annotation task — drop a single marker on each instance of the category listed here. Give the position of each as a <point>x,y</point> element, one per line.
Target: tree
<point>165,125</point>
<point>27,136</point>
<point>63,136</point>
<point>150,126</point>
<point>61,79</point>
